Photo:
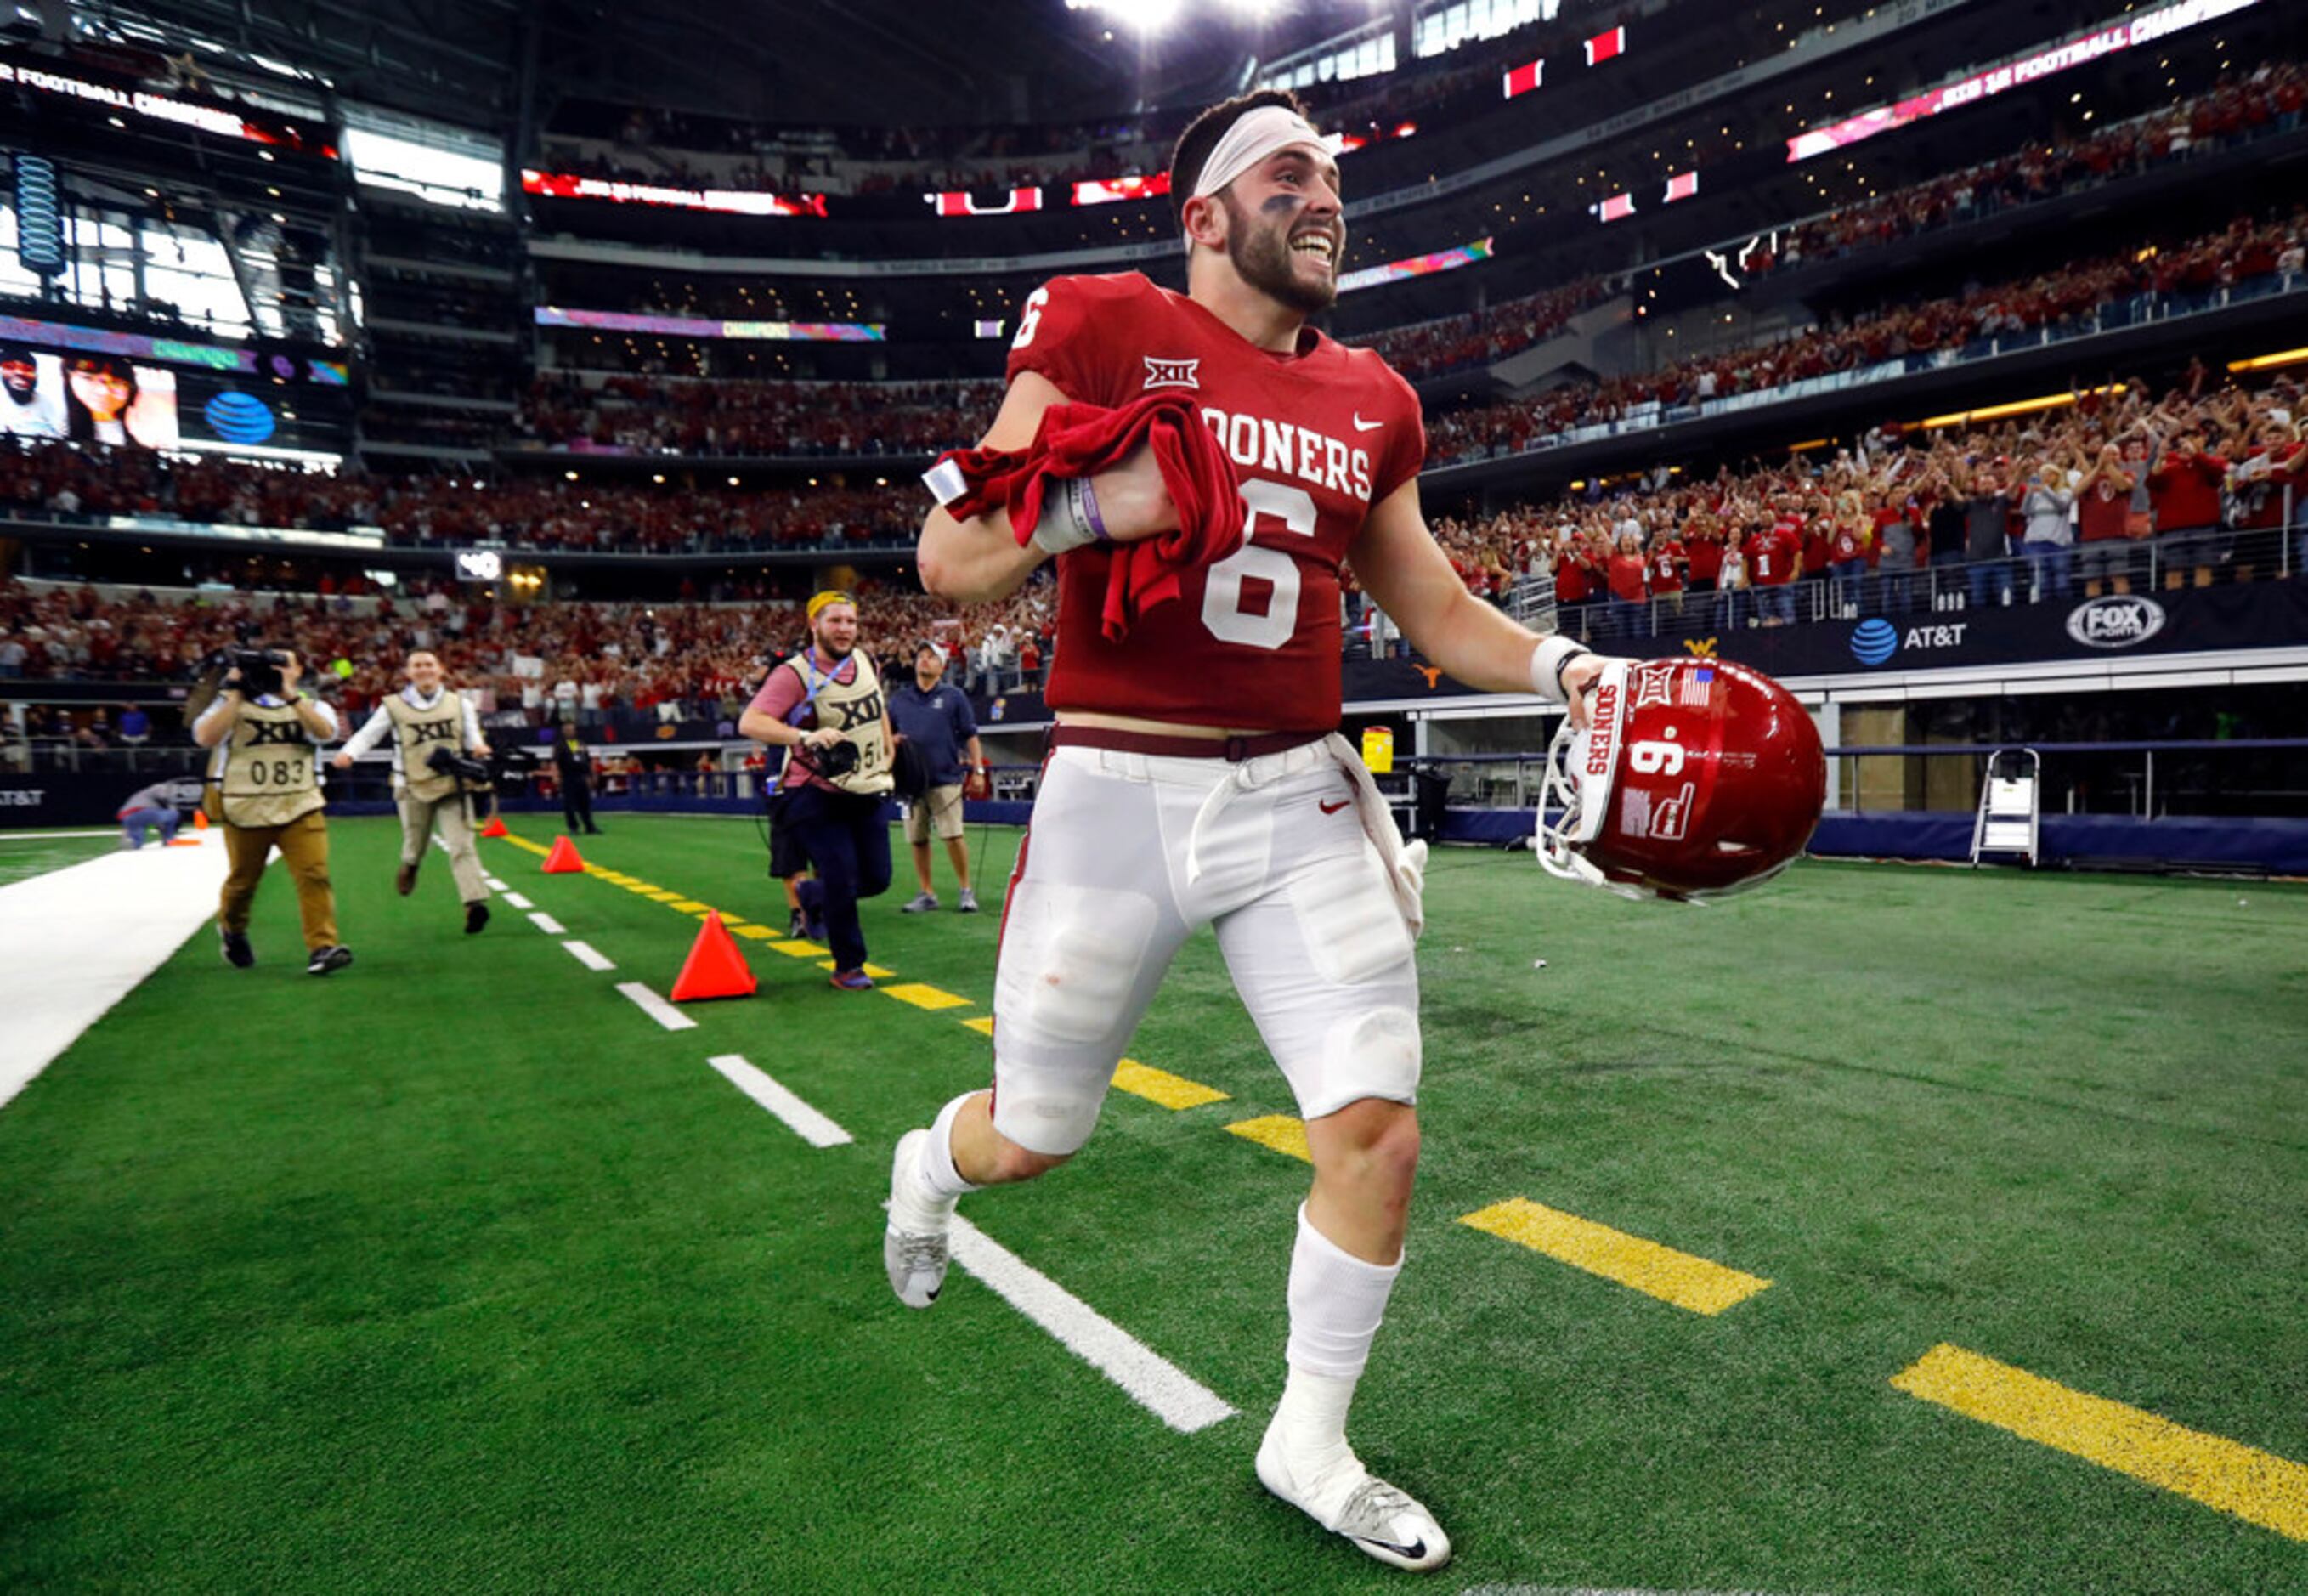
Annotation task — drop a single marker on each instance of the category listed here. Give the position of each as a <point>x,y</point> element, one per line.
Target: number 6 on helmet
<point>1695,779</point>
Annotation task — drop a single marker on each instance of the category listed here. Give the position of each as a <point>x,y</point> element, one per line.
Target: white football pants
<point>1127,856</point>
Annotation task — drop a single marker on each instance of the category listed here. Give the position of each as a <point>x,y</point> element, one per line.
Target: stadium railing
<point>2170,558</point>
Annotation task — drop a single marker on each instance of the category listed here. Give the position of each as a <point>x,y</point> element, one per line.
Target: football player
<point>1196,777</point>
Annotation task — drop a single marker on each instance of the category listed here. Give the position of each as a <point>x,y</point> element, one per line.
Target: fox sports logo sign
<point>2116,622</point>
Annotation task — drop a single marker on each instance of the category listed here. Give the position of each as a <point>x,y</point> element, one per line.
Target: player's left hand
<point>1578,680</point>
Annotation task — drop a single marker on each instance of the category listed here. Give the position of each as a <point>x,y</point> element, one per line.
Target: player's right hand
<point>343,762</point>
<point>1131,500</point>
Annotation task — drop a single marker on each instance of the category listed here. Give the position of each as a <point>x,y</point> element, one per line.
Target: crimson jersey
<point>1318,436</point>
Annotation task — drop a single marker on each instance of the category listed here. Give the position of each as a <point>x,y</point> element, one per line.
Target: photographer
<point>265,791</point>
<point>824,706</point>
<point>429,725</point>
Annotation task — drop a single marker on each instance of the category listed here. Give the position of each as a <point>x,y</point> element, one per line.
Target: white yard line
<point>657,1008</point>
<point>52,836</point>
<point>518,901</point>
<point>586,954</point>
<point>803,1120</point>
<point>1155,1384</point>
<point>74,942</point>
<point>547,924</point>
<point>496,885</point>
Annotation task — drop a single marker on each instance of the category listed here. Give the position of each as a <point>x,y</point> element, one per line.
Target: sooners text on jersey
<point>1317,438</point>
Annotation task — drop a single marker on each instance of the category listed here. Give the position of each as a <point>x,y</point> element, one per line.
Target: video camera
<point>259,669</point>
<point>469,771</point>
<point>835,760</point>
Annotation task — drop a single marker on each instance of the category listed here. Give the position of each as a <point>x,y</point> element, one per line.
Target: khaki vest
<point>859,711</point>
<point>270,776</point>
<point>419,732</point>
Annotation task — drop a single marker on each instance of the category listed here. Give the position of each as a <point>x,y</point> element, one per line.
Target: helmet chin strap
<point>1585,796</point>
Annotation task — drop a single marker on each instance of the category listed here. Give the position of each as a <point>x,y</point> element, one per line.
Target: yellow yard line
<point>926,997</point>
<point>1698,1284</point>
<point>1161,1086</point>
<point>2255,1486</point>
<point>1278,1131</point>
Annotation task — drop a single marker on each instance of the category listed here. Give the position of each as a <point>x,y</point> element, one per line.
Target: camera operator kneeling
<point>824,706</point>
<point>436,749</point>
<point>265,793</point>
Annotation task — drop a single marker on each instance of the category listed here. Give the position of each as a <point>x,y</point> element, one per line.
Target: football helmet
<point>1696,778</point>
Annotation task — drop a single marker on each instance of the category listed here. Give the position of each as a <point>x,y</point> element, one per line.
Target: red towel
<point>1083,440</point>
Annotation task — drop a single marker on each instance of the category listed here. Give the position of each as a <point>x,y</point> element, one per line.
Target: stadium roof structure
<point>486,62</point>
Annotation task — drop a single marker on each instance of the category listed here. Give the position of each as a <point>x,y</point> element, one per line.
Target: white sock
<point>1337,1301</point>
<point>939,1177</point>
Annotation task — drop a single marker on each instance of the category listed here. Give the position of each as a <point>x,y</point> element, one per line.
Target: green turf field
<point>26,854</point>
<point>456,1271</point>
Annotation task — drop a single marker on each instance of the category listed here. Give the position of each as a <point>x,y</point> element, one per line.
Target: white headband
<point>1255,135</point>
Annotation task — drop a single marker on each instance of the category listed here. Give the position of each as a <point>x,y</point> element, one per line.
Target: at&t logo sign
<point>1876,641</point>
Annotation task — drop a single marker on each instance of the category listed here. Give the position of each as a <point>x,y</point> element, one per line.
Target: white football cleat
<point>1383,1522</point>
<point>913,1246</point>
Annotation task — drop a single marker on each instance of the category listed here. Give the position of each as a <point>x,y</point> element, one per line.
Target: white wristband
<point>1070,518</point>
<point>1547,663</point>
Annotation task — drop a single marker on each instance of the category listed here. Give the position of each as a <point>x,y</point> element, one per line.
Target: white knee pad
<point>1071,957</point>
<point>1050,1110</point>
<point>1375,1053</point>
<point>1072,981</point>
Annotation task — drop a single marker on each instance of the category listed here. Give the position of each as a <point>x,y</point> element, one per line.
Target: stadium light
<point>2018,406</point>
<point>2263,362</point>
<point>1147,16</point>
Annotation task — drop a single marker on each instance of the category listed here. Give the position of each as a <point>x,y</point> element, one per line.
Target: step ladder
<point>2011,806</point>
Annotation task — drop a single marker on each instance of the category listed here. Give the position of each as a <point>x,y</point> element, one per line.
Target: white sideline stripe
<point>547,924</point>
<point>1593,1590</point>
<point>1151,1381</point>
<point>803,1120</point>
<point>517,901</point>
<point>52,836</point>
<point>496,885</point>
<point>585,954</point>
<point>657,1008</point>
<point>73,941</point>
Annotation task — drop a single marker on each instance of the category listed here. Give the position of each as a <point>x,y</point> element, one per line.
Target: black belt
<point>1233,749</point>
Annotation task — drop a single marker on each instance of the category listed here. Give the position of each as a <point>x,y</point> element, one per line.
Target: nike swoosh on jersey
<point>1333,809</point>
<point>1362,426</point>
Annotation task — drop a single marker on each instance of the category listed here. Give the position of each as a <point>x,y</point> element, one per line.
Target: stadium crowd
<point>2196,484</point>
<point>528,512</point>
<point>2204,475</point>
<point>2248,254</point>
<point>533,664</point>
<point>646,414</point>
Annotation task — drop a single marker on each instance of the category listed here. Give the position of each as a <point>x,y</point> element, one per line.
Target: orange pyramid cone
<point>496,827</point>
<point>564,860</point>
<point>200,821</point>
<point>714,968</point>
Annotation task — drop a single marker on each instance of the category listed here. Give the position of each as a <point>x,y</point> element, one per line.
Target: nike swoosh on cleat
<point>1333,809</point>
<point>1414,1551</point>
<point>1362,426</point>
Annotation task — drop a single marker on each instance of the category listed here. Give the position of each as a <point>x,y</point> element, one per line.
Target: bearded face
<point>1272,251</point>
